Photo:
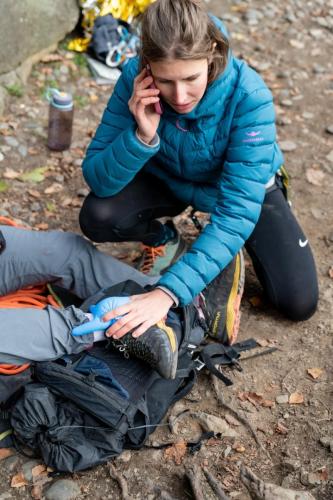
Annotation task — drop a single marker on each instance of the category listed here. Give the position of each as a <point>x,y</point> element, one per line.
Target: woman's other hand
<point>142,312</point>
<point>141,105</point>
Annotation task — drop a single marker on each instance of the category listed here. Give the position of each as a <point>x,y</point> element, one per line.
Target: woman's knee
<point>300,306</point>
<point>96,217</point>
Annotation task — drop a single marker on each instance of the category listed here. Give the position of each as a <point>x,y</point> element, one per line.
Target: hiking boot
<point>156,260</point>
<point>222,298</point>
<point>158,347</point>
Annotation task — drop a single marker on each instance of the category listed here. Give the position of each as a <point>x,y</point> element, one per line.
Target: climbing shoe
<point>221,301</point>
<point>156,260</point>
<point>158,347</point>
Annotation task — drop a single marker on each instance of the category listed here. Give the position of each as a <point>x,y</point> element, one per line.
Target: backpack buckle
<point>198,364</point>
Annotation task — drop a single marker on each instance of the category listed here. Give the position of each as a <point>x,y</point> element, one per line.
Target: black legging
<point>281,256</point>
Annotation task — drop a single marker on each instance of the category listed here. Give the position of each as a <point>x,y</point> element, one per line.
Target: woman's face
<point>181,83</point>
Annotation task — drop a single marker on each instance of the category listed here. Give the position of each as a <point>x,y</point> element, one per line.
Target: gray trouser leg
<point>67,259</point>
<point>40,334</point>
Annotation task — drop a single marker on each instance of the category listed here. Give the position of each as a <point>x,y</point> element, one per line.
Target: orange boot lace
<point>150,254</point>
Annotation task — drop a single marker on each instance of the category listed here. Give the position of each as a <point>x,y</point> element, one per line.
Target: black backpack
<point>84,409</point>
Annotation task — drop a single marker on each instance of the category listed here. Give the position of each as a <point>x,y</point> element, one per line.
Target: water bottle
<point>60,120</point>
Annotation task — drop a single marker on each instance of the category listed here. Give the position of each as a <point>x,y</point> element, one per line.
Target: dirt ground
<point>285,395</point>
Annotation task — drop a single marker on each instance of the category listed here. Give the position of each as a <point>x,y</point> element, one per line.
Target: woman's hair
<point>182,29</point>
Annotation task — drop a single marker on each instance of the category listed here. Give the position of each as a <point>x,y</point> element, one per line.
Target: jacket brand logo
<point>253,134</point>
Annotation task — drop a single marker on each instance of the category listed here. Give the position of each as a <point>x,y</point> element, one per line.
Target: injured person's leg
<point>67,259</point>
<point>45,334</point>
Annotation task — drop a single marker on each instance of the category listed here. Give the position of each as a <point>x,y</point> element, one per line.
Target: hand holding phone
<point>158,105</point>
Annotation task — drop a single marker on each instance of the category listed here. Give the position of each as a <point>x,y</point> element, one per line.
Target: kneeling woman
<point>214,148</point>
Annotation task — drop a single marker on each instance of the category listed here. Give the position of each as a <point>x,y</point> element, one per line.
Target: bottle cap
<point>58,99</point>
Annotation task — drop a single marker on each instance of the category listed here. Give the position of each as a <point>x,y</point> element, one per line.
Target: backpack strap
<point>211,355</point>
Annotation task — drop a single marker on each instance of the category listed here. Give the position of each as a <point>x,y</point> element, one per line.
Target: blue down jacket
<point>220,164</point>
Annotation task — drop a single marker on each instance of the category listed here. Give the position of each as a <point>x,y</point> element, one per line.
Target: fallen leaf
<point>176,452</point>
<point>37,470</point>
<point>255,301</point>
<point>315,176</point>
<point>262,342</point>
<point>296,398</point>
<point>93,97</point>
<point>51,58</point>
<point>330,272</point>
<point>267,403</point>
<point>18,481</point>
<point>281,429</point>
<point>43,226</point>
<point>315,372</point>
<point>5,452</point>
<point>35,175</point>
<point>323,474</point>
<point>3,186</point>
<point>239,8</point>
<point>256,399</point>
<point>54,188</point>
<point>33,151</point>
<point>296,44</point>
<point>33,193</point>
<point>10,173</point>
<point>37,492</point>
<point>238,447</point>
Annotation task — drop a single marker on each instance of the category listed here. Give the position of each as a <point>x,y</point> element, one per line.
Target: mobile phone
<point>157,105</point>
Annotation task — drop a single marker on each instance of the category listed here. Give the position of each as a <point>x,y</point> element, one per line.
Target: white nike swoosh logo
<point>302,244</point>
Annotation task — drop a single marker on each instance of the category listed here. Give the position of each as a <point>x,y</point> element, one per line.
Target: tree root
<point>120,480</point>
<point>259,490</point>
<point>237,415</point>
<point>194,477</point>
<point>215,485</point>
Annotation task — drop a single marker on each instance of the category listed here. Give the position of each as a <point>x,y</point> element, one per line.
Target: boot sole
<point>173,347</point>
<point>233,306</point>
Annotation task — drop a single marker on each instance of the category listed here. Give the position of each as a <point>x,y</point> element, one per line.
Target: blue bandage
<point>99,311</point>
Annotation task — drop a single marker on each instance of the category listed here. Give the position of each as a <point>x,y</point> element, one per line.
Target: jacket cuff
<point>153,144</point>
<point>171,294</point>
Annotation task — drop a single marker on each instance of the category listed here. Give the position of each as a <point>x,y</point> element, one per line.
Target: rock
<point>307,115</point>
<point>27,469</point>
<point>10,463</point>
<point>125,456</point>
<point>227,451</point>
<point>5,495</point>
<point>330,156</point>
<point>329,129</point>
<point>287,146</point>
<point>23,151</point>
<point>318,69</point>
<point>287,103</point>
<point>3,100</point>
<point>2,157</point>
<point>64,489</point>
<point>11,141</point>
<point>316,33</point>
<point>283,120</point>
<point>252,17</point>
<point>326,441</point>
<point>282,399</point>
<point>291,465</point>
<point>83,192</point>
<point>267,491</point>
<point>49,21</point>
<point>214,424</point>
<point>35,207</point>
<point>318,213</point>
